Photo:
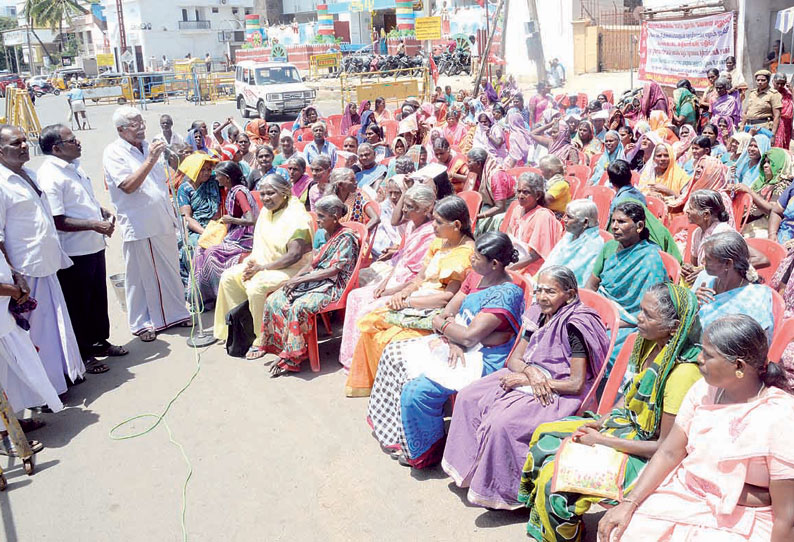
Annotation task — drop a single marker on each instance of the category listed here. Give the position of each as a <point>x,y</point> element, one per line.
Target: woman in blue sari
<point>748,166</point>
<point>475,332</point>
<point>199,200</point>
<point>613,150</point>
<point>582,242</point>
<point>729,284</point>
<point>627,266</point>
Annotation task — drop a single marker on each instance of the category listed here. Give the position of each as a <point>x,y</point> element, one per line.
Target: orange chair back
<point>672,266</point>
<point>615,379</point>
<point>257,198</point>
<point>580,171</point>
<point>354,129</point>
<point>337,140</point>
<point>594,160</point>
<point>602,196</point>
<point>778,308</point>
<point>657,207</point>
<point>784,334</point>
<point>605,235</point>
<point>610,317</point>
<point>473,202</point>
<point>742,203</point>
<point>687,255</point>
<point>334,124</point>
<point>773,251</point>
<point>576,186</point>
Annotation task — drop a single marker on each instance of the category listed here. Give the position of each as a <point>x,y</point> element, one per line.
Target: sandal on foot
<point>147,336</point>
<point>95,367</point>
<point>402,459</point>
<point>277,371</point>
<point>35,447</point>
<point>255,353</point>
<point>31,424</point>
<point>113,350</point>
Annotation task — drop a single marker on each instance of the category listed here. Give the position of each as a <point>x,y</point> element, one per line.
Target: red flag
<point>433,70</point>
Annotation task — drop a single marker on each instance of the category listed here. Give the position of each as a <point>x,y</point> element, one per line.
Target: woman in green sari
<point>664,359</point>
<point>685,105</point>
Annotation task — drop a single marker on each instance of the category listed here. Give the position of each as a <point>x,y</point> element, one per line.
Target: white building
<point>8,8</point>
<point>176,28</point>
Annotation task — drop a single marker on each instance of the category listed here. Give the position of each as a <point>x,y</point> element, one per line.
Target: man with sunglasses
<point>82,226</point>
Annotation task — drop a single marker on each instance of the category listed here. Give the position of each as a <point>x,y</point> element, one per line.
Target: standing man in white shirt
<point>138,190</point>
<point>82,226</point>
<point>167,134</point>
<point>30,243</point>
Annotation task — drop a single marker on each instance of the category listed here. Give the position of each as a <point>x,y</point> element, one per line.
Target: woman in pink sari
<point>394,269</point>
<point>454,131</point>
<point>783,135</point>
<point>725,472</point>
<point>653,99</point>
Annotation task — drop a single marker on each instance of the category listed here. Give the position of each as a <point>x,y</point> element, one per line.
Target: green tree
<point>53,13</point>
<point>7,23</point>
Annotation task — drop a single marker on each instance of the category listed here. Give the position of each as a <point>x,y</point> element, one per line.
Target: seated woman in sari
<point>241,212</point>
<point>264,167</point>
<point>306,118</point>
<point>685,105</point>
<point>653,99</point>
<point>472,338</point>
<point>380,111</point>
<point>281,247</point>
<point>562,349</point>
<point>776,169</point>
<point>301,181</point>
<point>709,174</point>
<point>457,168</point>
<point>394,270</point>
<point>613,150</point>
<point>726,469</point>
<point>556,137</point>
<point>446,265</point>
<point>737,144</point>
<point>317,285</point>
<point>490,136</point>
<point>664,361</point>
<point>349,118</point>
<point>748,167</point>
<point>199,199</point>
<point>582,242</point>
<point>454,131</point>
<point>374,136</point>
<point>399,148</point>
<point>727,105</point>
<point>706,210</point>
<point>532,227</point>
<point>357,202</point>
<point>496,187</point>
<point>626,267</point>
<point>728,283</point>
<point>522,146</point>
<point>662,176</point>
<point>586,141</point>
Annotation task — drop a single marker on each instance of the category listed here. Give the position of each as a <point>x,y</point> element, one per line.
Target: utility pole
<point>486,52</point>
<point>122,31</point>
<point>30,49</point>
<point>540,60</point>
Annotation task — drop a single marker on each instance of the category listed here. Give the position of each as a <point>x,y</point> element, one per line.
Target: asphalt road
<point>287,459</point>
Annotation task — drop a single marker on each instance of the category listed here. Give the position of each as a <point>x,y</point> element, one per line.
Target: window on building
<point>89,37</point>
<point>197,14</point>
<point>184,15</point>
<point>215,10</point>
<point>248,11</point>
<point>235,11</point>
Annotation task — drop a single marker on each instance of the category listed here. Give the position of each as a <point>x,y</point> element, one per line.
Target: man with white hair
<point>30,243</point>
<point>582,243</point>
<point>138,190</point>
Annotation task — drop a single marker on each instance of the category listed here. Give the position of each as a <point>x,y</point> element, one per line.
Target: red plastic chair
<point>610,317</point>
<point>679,223</point>
<point>580,171</point>
<point>300,145</point>
<point>575,186</point>
<point>594,160</point>
<point>353,130</point>
<point>657,207</point>
<point>602,196</point>
<point>672,266</point>
<point>525,284</point>
<point>334,124</point>
<point>337,140</point>
<point>784,334</point>
<point>311,336</point>
<point>687,255</point>
<point>473,202</point>
<point>257,198</point>
<point>605,235</point>
<point>512,208</point>
<point>773,251</point>
<point>516,172</point>
<point>615,379</point>
<point>287,126</point>
<point>742,203</point>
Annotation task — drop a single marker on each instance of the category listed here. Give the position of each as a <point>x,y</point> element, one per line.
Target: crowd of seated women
<point>469,246</point>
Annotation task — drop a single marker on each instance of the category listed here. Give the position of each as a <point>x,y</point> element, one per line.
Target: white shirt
<point>175,138</point>
<point>27,228</point>
<point>70,194</point>
<point>6,320</point>
<point>147,212</point>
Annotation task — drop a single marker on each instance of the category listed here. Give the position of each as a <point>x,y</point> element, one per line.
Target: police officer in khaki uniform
<point>762,105</point>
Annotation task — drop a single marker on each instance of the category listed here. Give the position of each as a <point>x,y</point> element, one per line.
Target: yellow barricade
<point>388,85</point>
<point>321,64</point>
<point>20,112</point>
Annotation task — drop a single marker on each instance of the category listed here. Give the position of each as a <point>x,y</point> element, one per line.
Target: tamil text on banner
<point>685,49</point>
<point>428,28</point>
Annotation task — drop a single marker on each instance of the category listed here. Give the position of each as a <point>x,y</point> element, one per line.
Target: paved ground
<point>285,459</point>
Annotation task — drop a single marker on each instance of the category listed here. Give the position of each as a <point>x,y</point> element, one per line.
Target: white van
<point>270,88</point>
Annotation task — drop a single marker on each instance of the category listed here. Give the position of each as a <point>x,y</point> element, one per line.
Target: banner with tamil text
<point>685,49</point>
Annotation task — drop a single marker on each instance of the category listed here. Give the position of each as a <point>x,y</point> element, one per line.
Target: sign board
<point>127,56</point>
<point>428,28</point>
<point>102,92</point>
<point>105,59</point>
<point>677,49</point>
<point>329,60</point>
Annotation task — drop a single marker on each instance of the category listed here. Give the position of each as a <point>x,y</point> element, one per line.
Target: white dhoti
<point>51,332</point>
<point>155,294</point>
<point>22,374</point>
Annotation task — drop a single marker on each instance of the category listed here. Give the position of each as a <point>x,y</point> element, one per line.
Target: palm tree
<point>52,13</point>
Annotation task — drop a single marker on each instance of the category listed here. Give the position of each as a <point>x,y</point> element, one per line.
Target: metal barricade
<point>324,65</point>
<point>357,87</point>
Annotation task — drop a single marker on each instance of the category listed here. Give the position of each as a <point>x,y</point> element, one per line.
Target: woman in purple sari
<point>653,98</point>
<point>726,104</point>
<point>240,217</point>
<point>563,347</point>
<point>522,146</point>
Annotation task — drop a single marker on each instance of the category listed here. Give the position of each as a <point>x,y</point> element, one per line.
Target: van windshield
<point>272,76</point>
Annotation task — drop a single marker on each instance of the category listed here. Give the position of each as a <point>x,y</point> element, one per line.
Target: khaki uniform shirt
<point>760,105</point>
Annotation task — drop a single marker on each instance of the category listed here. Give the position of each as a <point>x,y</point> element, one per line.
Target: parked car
<point>270,87</point>
<point>10,79</point>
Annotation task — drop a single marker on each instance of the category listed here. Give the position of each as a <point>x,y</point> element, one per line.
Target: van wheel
<point>261,108</point>
<point>242,107</point>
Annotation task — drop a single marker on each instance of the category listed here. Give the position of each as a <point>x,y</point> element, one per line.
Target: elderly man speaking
<point>138,190</point>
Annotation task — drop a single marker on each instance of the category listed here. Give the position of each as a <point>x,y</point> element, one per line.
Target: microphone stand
<point>200,339</point>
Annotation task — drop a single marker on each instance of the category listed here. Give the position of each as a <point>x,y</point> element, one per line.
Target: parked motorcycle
<point>45,88</point>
